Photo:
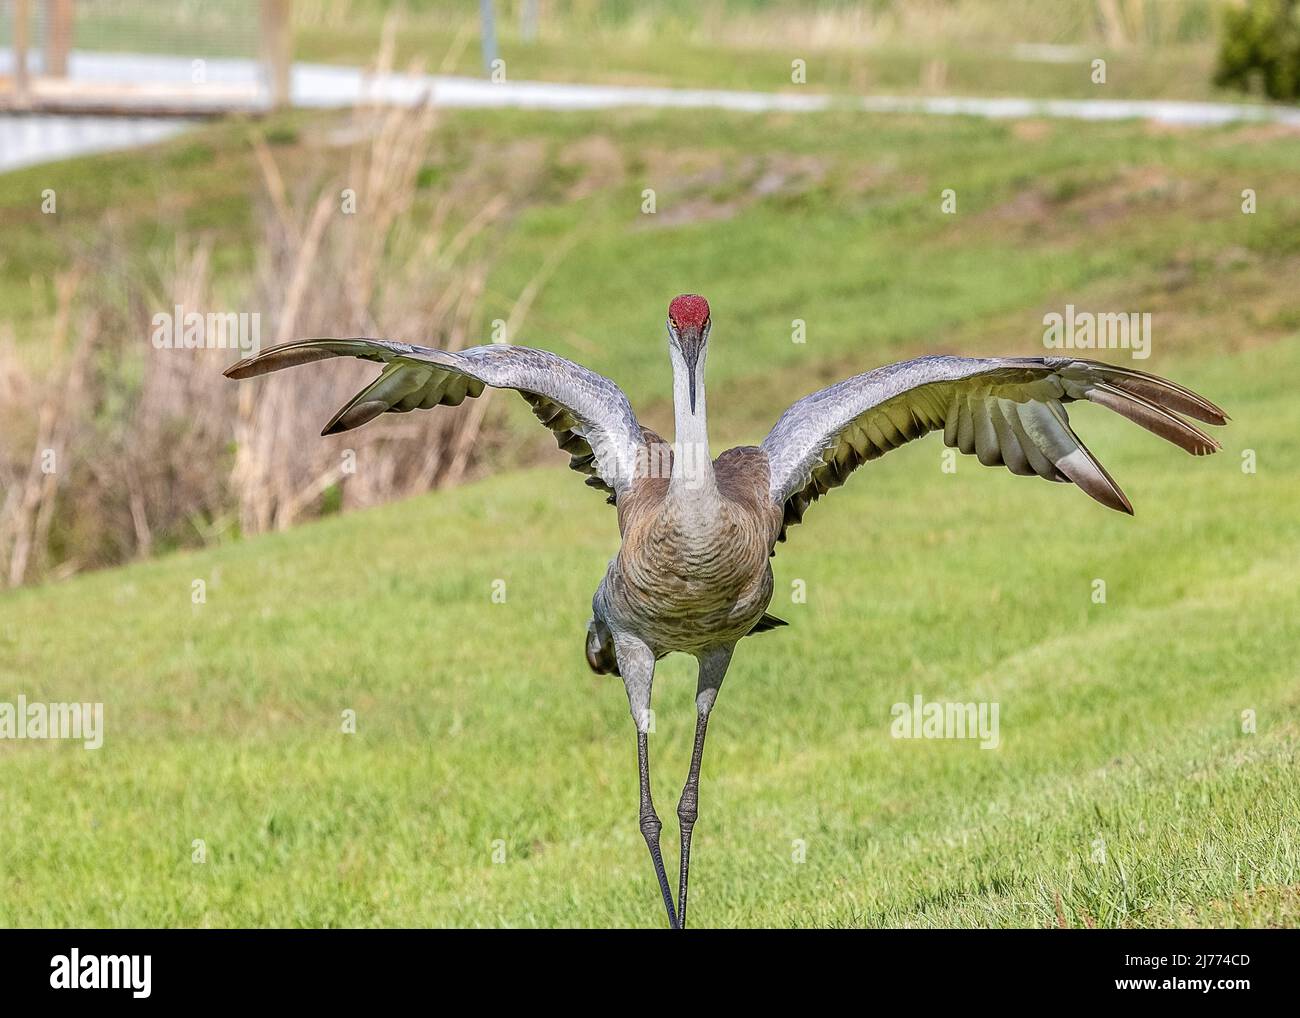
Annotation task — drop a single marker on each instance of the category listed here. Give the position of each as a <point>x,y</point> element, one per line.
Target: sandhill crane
<point>692,573</point>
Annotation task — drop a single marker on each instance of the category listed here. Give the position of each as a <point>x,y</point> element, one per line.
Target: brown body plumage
<point>694,570</point>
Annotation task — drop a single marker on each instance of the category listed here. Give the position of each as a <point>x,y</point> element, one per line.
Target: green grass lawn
<point>1124,791</point>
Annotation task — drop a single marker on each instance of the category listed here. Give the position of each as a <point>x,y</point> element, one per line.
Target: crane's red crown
<point>687,310</point>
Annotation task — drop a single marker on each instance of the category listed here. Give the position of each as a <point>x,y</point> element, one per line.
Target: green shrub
<point>1261,48</point>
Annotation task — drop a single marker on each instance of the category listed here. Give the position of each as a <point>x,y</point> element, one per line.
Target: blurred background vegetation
<point>1261,48</point>
<point>1158,48</point>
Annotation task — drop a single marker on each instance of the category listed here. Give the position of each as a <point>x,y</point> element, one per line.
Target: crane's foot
<point>650,826</point>
<point>688,811</point>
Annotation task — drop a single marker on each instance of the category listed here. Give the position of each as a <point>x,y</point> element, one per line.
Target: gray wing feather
<point>590,415</point>
<point>1006,411</point>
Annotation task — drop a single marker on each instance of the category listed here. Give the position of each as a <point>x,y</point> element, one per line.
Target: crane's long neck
<point>692,477</point>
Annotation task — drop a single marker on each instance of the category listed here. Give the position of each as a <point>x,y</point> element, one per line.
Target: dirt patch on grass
<point>723,189</point>
<point>1029,206</point>
<point>1258,134</point>
<point>597,162</point>
<point>1032,130</point>
<point>1060,209</point>
<point>1135,189</point>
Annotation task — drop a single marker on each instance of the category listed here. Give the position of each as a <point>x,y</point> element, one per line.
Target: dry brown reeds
<point>114,448</point>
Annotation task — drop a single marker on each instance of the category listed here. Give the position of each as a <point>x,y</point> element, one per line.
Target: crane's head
<point>688,332</point>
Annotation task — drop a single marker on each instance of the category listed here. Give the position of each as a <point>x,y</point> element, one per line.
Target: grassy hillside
<point>833,218</point>
<point>478,721</point>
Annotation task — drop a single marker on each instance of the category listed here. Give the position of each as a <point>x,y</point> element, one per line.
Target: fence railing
<point>142,57</point>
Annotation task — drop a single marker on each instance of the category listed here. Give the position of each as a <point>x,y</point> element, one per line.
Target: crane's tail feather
<point>600,648</point>
<point>767,622</point>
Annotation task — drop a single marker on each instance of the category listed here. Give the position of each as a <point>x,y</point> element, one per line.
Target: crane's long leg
<point>650,825</point>
<point>713,667</point>
<point>636,663</point>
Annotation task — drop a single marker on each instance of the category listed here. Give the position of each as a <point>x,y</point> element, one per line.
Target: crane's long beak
<point>692,342</point>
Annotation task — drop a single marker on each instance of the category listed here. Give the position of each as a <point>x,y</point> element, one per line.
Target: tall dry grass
<point>113,449</point>
<point>375,271</point>
<point>34,457</point>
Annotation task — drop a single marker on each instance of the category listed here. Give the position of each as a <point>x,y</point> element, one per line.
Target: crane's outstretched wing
<point>1006,410</point>
<point>590,415</point>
